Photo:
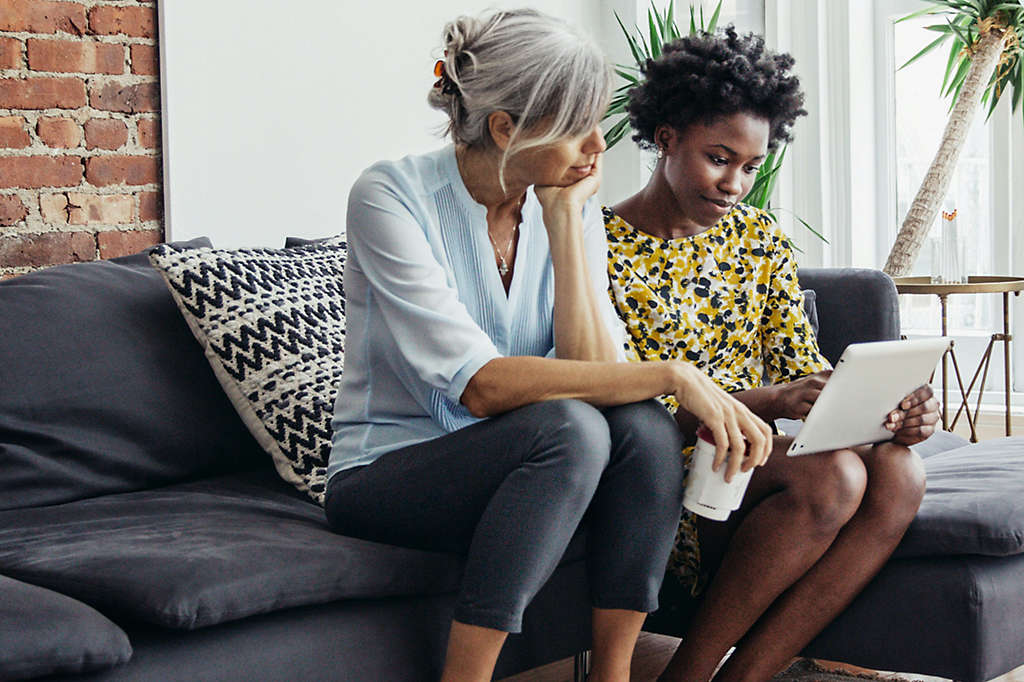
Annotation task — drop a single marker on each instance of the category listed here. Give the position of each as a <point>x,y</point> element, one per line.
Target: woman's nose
<point>594,142</point>
<point>730,182</point>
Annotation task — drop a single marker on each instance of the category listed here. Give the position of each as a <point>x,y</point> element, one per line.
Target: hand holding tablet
<point>869,382</point>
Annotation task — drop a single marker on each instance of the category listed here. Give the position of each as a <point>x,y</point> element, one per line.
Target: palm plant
<point>984,61</point>
<point>662,29</point>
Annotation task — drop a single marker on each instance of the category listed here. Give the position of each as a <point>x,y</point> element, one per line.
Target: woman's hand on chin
<point>573,196</point>
<point>742,439</point>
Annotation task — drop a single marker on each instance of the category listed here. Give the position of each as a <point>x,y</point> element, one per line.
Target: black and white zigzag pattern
<point>272,323</point>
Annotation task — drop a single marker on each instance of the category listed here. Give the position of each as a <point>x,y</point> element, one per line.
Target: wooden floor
<point>653,651</point>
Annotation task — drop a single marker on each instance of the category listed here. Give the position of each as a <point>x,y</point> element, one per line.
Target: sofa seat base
<point>198,554</point>
<point>400,639</point>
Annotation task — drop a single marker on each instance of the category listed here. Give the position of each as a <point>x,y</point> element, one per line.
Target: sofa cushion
<point>45,633</point>
<point>811,309</point>
<point>102,388</point>
<point>974,503</point>
<point>201,553</point>
<point>272,324</point>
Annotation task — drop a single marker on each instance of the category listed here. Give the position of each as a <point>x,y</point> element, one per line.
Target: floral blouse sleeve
<point>789,345</point>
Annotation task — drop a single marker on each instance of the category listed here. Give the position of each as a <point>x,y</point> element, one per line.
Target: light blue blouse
<point>425,306</point>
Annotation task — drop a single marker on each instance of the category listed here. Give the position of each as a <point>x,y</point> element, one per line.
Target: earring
<point>661,152</point>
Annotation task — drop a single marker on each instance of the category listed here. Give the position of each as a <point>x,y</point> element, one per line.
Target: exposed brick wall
<point>80,166</point>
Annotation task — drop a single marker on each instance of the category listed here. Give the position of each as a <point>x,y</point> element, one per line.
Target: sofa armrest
<point>854,305</point>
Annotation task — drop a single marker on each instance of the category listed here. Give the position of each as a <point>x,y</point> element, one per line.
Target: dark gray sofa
<point>145,536</point>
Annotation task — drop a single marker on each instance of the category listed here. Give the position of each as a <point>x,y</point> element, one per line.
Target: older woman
<point>696,274</point>
<point>482,409</point>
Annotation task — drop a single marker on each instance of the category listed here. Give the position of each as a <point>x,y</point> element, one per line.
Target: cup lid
<point>704,433</point>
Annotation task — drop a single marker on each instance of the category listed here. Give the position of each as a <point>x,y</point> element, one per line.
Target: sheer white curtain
<point>846,175</point>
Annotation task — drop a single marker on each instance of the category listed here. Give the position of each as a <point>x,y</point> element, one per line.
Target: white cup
<point>707,493</point>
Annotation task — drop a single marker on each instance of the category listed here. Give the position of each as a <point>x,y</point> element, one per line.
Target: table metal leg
<point>1006,356</point>
<point>945,393</point>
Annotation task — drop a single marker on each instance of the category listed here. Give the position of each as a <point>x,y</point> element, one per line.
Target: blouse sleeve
<point>789,345</point>
<point>432,329</point>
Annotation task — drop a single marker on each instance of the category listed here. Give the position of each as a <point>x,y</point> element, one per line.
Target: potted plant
<point>984,61</point>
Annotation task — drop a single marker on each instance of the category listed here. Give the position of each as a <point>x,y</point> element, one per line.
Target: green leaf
<point>958,79</point>
<point>964,38</point>
<point>633,47</point>
<point>618,106</point>
<point>928,48</point>
<point>670,21</point>
<point>655,37</point>
<point>918,13</point>
<point>713,24</point>
<point>954,54</point>
<point>616,132</point>
<point>631,77</point>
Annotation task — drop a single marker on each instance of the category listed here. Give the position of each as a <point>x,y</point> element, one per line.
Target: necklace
<point>503,267</point>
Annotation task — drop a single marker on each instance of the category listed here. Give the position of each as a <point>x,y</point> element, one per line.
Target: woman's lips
<point>720,203</point>
<point>584,170</point>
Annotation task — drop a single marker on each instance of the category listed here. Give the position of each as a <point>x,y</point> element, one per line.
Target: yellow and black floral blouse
<point>726,300</point>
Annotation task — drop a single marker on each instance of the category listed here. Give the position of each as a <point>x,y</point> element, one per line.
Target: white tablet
<point>869,381</point>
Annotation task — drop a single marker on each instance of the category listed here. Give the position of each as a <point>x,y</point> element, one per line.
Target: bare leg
<point>792,512</point>
<point>472,653</point>
<point>895,488</point>
<point>615,633</point>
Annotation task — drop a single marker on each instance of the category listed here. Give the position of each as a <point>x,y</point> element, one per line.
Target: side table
<point>976,284</point>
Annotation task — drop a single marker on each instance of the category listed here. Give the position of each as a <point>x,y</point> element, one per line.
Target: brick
<point>54,208</point>
<point>59,132</point>
<point>151,206</point>
<point>12,132</point>
<point>145,60</point>
<point>100,209</point>
<point>114,170</point>
<point>50,248</point>
<point>33,172</point>
<point>105,133</point>
<point>75,56</point>
<point>12,211</point>
<point>42,93</point>
<point>42,16</point>
<point>128,99</point>
<point>138,22</point>
<point>124,243</point>
<point>149,133</point>
<point>10,53</point>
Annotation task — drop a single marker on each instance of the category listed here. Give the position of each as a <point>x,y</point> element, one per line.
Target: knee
<point>647,435</point>
<point>896,485</point>
<point>834,496</point>
<point>576,435</point>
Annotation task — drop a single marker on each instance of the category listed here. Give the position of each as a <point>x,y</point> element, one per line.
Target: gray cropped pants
<point>509,492</point>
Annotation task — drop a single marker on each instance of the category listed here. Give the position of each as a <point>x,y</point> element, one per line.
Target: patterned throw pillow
<point>272,325</point>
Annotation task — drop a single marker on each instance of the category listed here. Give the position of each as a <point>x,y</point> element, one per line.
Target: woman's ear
<point>501,127</point>
<point>665,137</point>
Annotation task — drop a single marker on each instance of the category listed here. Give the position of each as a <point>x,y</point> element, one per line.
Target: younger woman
<point>698,276</point>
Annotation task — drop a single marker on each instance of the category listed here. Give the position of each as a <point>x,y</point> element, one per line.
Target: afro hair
<point>704,77</point>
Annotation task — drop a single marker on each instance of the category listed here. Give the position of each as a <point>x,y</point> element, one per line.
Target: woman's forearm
<point>580,332</point>
<point>507,383</point>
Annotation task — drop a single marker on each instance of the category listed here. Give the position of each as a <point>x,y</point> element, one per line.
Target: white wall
<point>271,110</point>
